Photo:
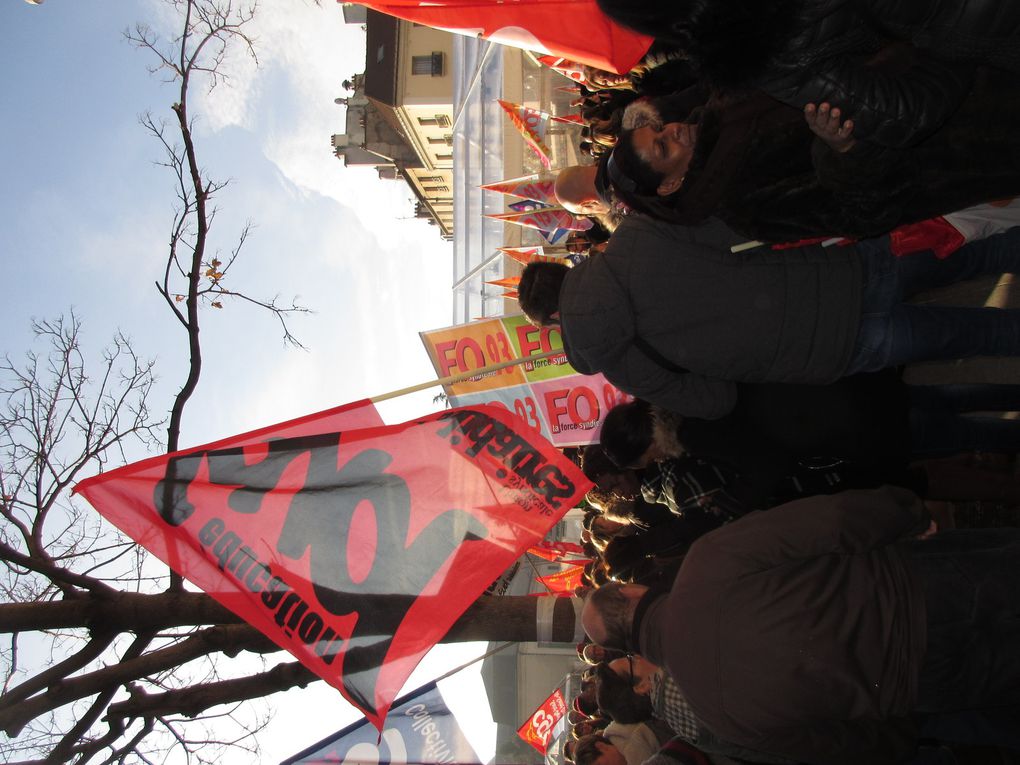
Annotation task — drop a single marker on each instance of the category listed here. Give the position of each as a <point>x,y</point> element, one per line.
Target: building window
<point>446,140</point>
<point>444,157</point>
<point>432,64</point>
<point>440,120</point>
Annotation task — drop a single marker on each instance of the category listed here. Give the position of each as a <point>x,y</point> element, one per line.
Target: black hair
<point>539,291</point>
<point>587,707</point>
<point>636,185</point>
<point>616,698</point>
<point>627,432</point>
<point>631,176</point>
<point>595,463</point>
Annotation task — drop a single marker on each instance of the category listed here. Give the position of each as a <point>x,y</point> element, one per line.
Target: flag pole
<point>477,268</point>
<point>451,379</point>
<point>475,660</point>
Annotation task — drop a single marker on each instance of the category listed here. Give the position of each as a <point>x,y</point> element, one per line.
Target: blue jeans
<point>893,332</point>
<point>942,419</point>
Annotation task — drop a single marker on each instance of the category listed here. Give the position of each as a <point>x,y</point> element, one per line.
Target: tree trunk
<point>514,618</point>
<point>490,618</point>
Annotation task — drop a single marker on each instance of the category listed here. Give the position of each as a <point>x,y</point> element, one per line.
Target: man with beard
<point>779,174</point>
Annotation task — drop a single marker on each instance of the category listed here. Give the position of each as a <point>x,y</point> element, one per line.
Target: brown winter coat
<point>800,631</point>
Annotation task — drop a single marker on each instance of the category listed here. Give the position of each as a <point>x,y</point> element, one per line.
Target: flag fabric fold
<point>353,545</point>
<point>545,219</point>
<point>531,187</point>
<point>524,205</point>
<point>527,255</point>
<point>557,551</point>
<point>569,69</point>
<point>573,29</point>
<point>564,582</point>
<point>532,124</point>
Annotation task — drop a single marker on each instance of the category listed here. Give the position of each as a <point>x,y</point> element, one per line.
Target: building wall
<point>424,89</point>
<point>401,121</point>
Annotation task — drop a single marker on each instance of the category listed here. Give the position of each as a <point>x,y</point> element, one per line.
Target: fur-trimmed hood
<point>665,432</point>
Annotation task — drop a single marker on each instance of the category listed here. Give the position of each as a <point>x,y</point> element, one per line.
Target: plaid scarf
<point>688,485</point>
<point>669,705</point>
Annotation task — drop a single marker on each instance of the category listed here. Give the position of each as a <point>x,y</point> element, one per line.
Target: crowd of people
<point>782,571</point>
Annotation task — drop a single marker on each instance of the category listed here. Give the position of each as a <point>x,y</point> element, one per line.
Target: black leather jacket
<point>810,51</point>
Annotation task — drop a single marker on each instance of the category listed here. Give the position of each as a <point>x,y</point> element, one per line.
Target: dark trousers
<point>894,332</point>
<point>943,419</point>
<point>971,580</point>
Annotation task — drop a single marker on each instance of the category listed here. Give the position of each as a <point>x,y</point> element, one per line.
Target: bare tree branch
<point>59,420</point>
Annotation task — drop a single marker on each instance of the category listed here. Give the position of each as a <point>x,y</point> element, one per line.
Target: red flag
<point>569,69</point>
<point>508,282</point>
<point>539,727</point>
<point>527,187</point>
<point>936,234</point>
<point>297,528</point>
<point>575,29</point>
<point>534,254</point>
<point>570,119</point>
<point>555,550</point>
<point>565,581</point>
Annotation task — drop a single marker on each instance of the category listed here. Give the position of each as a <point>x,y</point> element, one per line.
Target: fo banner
<point>355,550</point>
<point>538,729</point>
<point>548,394</point>
<point>420,729</point>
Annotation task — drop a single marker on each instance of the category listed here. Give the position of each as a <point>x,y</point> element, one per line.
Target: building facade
<point>400,113</point>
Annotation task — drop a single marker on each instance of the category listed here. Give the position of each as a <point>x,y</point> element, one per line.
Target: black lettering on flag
<point>227,467</point>
<point>526,461</point>
<point>319,519</point>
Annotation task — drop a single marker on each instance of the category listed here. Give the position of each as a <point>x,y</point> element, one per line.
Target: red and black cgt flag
<point>353,545</point>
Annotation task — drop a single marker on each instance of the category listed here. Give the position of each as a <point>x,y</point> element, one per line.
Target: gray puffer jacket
<point>709,316</point>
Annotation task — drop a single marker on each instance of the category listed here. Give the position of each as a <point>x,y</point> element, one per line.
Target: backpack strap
<point>646,348</point>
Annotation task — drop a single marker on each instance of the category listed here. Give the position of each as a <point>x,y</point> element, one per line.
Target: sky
<point>86,217</point>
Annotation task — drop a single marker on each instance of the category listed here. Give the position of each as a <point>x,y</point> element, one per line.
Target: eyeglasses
<point>635,681</point>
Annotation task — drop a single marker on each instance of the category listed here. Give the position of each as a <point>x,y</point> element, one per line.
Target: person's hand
<point>932,530</point>
<point>824,123</point>
<point>942,514</point>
